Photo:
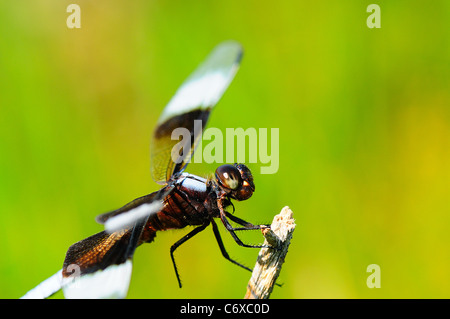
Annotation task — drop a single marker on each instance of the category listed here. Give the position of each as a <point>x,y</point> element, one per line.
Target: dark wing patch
<point>97,252</point>
<point>167,159</point>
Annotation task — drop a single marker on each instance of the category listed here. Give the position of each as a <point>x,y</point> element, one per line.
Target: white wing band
<point>128,218</point>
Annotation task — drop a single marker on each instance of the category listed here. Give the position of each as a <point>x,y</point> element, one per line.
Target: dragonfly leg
<point>230,228</point>
<point>181,241</point>
<point>222,247</point>
<point>247,225</point>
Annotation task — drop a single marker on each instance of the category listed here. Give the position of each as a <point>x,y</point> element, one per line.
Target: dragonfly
<point>100,266</point>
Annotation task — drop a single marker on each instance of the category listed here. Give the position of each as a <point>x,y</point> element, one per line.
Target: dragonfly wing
<point>99,266</point>
<point>189,110</point>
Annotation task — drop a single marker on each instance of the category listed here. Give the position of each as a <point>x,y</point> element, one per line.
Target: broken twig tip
<point>269,262</point>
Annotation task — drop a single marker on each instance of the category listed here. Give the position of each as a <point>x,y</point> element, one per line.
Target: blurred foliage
<point>364,138</point>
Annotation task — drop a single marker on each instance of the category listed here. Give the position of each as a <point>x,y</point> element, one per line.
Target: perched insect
<point>100,265</point>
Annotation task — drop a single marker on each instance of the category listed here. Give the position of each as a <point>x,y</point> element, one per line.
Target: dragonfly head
<point>235,180</point>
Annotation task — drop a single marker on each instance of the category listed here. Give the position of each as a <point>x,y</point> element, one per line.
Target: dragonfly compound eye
<point>228,177</point>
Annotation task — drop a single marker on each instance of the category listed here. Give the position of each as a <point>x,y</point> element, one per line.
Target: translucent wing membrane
<point>193,101</point>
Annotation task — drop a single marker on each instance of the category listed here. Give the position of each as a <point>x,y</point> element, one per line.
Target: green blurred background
<point>364,125</point>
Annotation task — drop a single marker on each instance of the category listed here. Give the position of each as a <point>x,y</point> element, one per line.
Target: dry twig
<point>270,260</point>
